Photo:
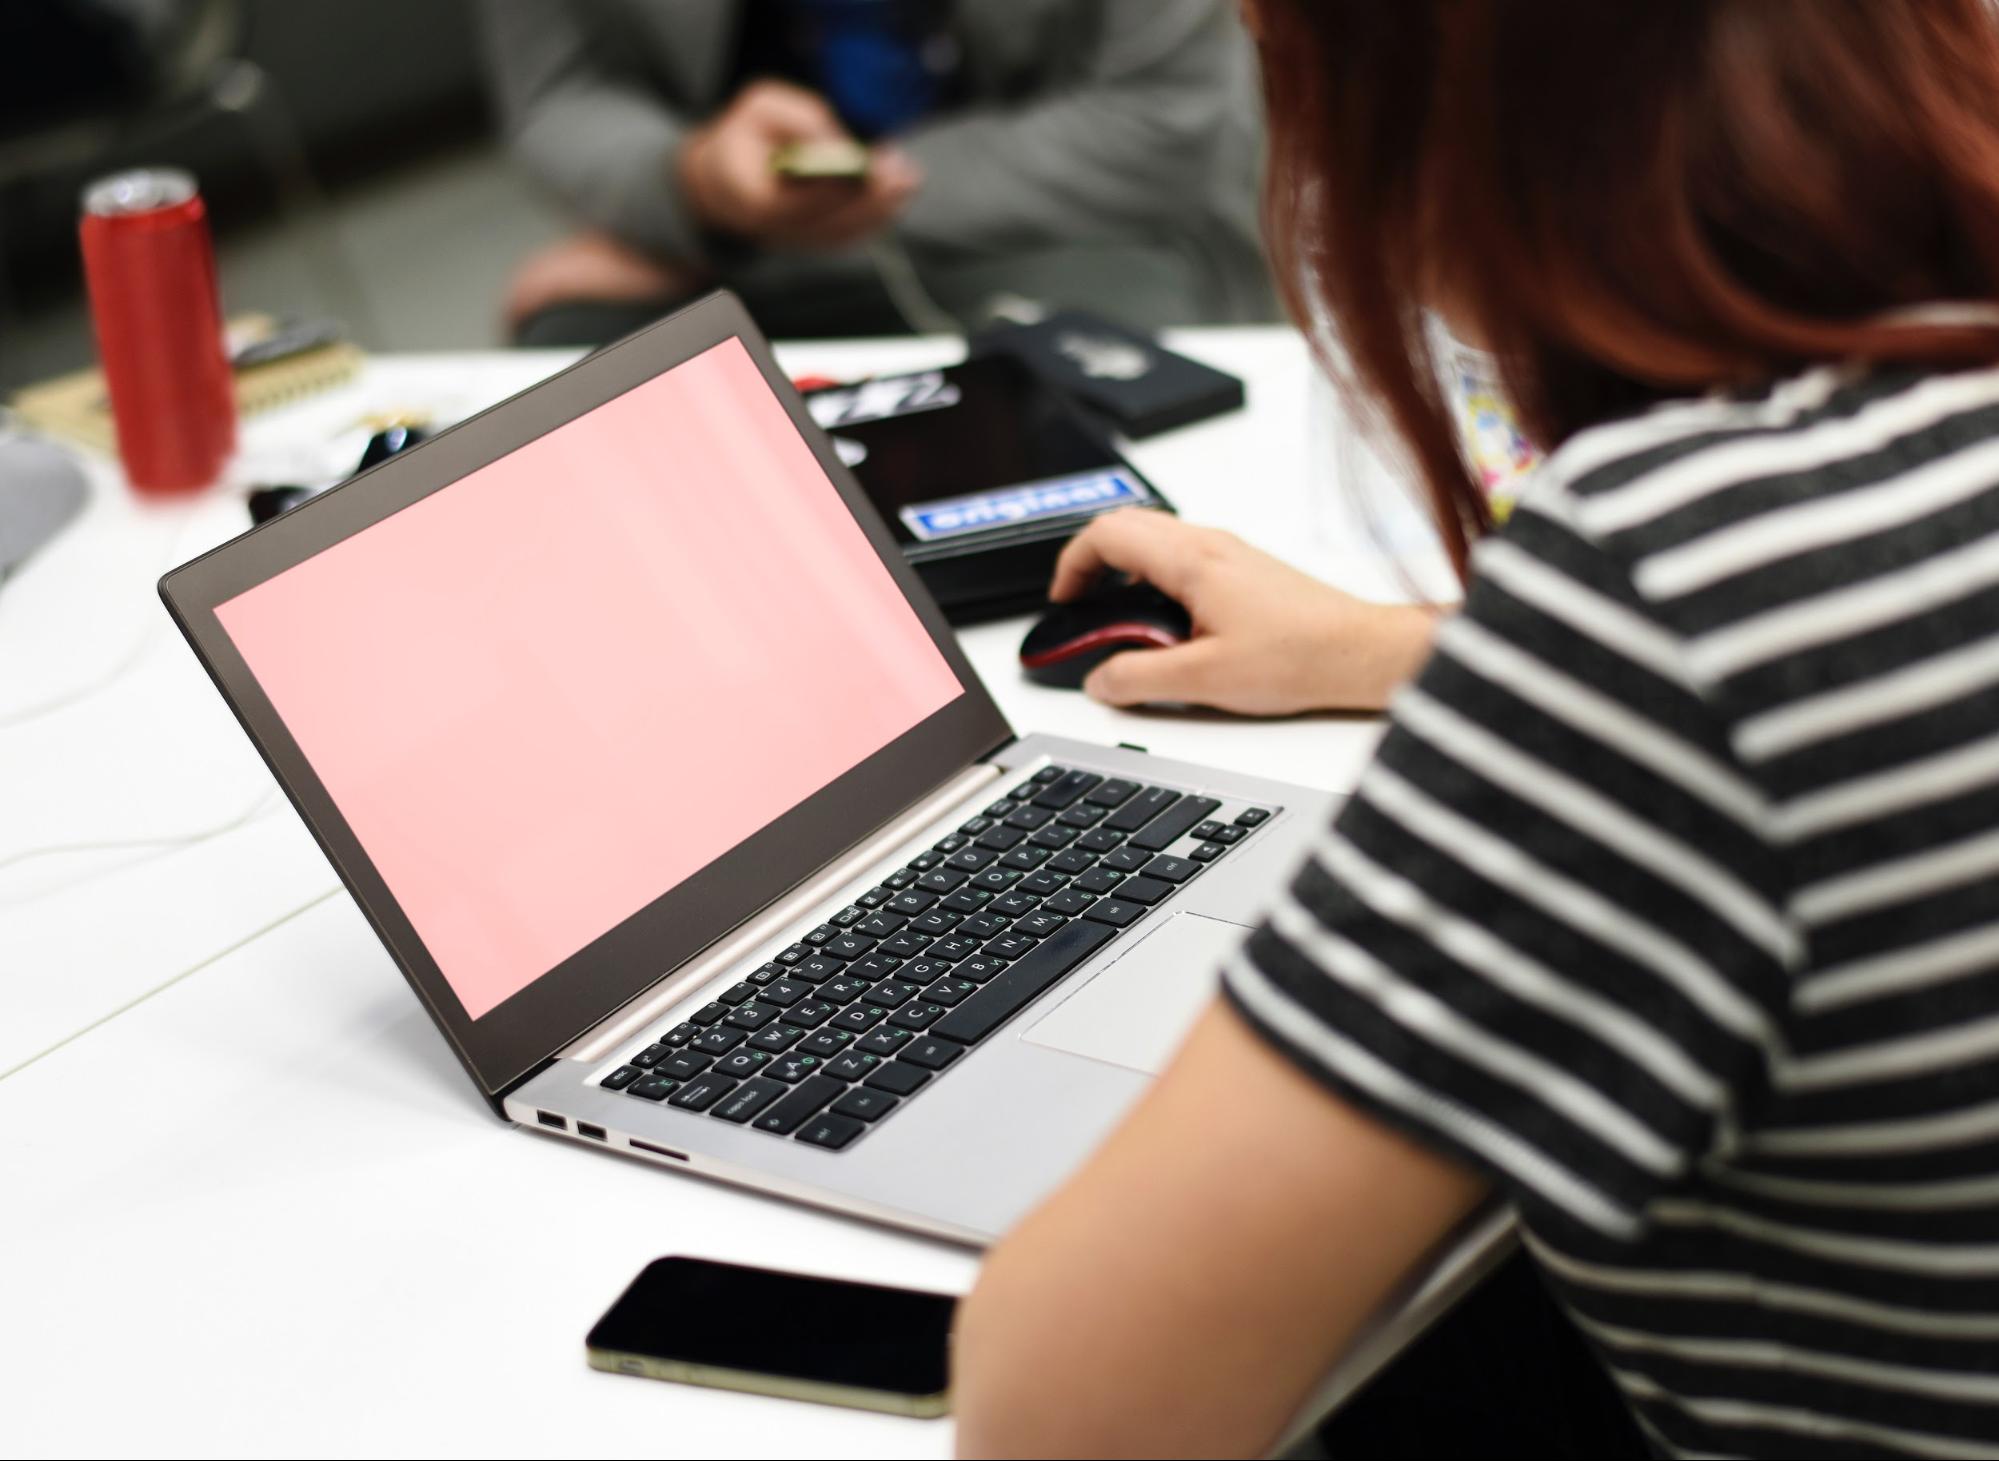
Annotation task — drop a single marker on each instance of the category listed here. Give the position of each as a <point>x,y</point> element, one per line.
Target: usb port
<point>595,1133</point>
<point>549,1118</point>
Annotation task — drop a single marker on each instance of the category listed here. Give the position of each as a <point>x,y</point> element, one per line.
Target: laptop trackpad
<point>1137,1012</point>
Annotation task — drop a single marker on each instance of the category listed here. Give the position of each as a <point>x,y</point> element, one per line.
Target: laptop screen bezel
<point>516,1037</point>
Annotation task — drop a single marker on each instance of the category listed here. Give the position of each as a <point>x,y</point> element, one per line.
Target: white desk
<point>250,1200</point>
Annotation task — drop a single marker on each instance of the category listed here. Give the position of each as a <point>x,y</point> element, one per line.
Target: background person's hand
<point>725,171</point>
<point>1268,640</point>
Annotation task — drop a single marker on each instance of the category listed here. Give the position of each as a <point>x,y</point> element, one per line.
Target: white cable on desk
<point>177,843</point>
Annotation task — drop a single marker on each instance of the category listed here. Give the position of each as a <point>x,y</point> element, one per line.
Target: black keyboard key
<point>966,900</point>
<point>944,880</point>
<point>708,1014</point>
<point>1082,816</point>
<point>884,1041</point>
<point>831,1132</point>
<point>1173,822</point>
<point>951,844</point>
<point>1043,883</point>
<point>1113,793</point>
<point>906,945</point>
<point>924,861</point>
<point>849,916</point>
<point>652,1088</point>
<point>849,946</point>
<point>1126,860</point>
<point>818,967</point>
<point>684,1066</point>
<point>911,903</point>
<point>752,1016</point>
<point>902,877</point>
<point>893,992</point>
<point>809,1014</point>
<point>1001,839</point>
<point>1075,860</point>
<point>737,993</point>
<point>975,826</point>
<point>1066,788</point>
<point>623,1076</point>
<point>769,973</point>
<point>1227,836</point>
<point>876,966</point>
<point>748,1098</point>
<point>825,1043</point>
<point>1114,912</point>
<point>859,1017</point>
<point>652,1055</point>
<point>922,971</point>
<point>973,859</point>
<point>785,993</point>
<point>958,946</point>
<point>1069,902</point>
<point>1009,992</point>
<point>700,1094</point>
<point>796,954</point>
<point>679,1035</point>
<point>776,1038</point>
<point>742,1063</point>
<point>808,1097</point>
<point>1054,838</point>
<point>1099,880</point>
<point>936,923</point>
<point>1207,852</point>
<point>1141,809</point>
<point>996,879</point>
<point>897,1078</point>
<point>865,1105</point>
<point>1172,869</point>
<point>874,897</point>
<point>1004,807</point>
<point>1146,891</point>
<point>917,1015</point>
<point>1030,819</point>
<point>932,1053</point>
<point>793,1068</point>
<point>1009,946</point>
<point>1252,817</point>
<point>948,992</point>
<point>984,925</point>
<point>1099,839</point>
<point>981,968</point>
<point>1047,774</point>
<point>1207,830</point>
<point>824,934</point>
<point>1015,904</point>
<point>718,1041</point>
<point>1040,923</point>
<point>1027,859</point>
<point>853,1065</point>
<point>844,989</point>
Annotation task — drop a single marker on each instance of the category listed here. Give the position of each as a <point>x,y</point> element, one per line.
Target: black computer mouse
<point>1074,638</point>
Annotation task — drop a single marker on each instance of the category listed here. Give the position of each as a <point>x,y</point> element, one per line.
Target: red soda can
<point>158,316</point>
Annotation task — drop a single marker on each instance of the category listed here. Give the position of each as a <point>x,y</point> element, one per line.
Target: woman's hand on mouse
<point>1268,640</point>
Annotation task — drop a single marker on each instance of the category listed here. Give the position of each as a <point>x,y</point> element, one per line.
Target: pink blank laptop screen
<point>548,693</point>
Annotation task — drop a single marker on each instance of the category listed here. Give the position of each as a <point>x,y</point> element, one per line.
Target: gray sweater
<point>1087,121</point>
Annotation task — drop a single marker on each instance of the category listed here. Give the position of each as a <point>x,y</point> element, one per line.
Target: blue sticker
<point>1090,492</point>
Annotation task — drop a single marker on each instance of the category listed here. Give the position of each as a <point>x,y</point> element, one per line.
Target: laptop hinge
<point>601,1039</point>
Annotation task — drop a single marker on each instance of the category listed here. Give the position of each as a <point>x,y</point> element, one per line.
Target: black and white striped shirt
<point>1672,901</point>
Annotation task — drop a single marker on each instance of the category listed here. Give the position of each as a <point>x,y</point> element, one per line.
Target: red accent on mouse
<point>1074,638</point>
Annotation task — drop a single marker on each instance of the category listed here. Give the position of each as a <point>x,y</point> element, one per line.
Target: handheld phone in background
<point>834,158</point>
<point>789,1334</point>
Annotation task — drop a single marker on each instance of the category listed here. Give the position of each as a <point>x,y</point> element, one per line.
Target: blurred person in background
<point>1097,153</point>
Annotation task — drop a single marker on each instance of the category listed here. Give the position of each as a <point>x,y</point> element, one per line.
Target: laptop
<point>625,721</point>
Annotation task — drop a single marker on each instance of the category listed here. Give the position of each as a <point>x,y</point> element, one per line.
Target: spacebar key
<point>1006,995</point>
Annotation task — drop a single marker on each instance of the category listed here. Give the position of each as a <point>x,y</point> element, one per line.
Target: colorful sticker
<point>1088,492</point>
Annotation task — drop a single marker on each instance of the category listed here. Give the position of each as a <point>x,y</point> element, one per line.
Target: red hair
<point>1625,202</point>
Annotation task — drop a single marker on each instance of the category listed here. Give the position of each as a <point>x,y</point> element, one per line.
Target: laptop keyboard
<point>872,1007</point>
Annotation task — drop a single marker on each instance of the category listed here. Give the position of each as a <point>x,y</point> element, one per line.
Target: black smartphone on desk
<point>789,1334</point>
